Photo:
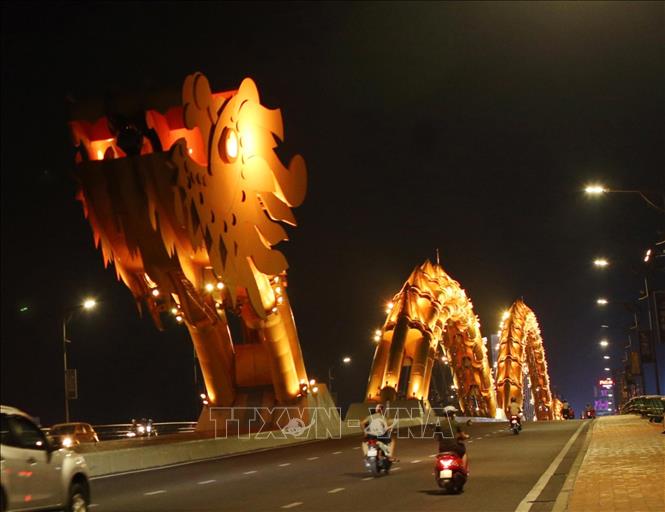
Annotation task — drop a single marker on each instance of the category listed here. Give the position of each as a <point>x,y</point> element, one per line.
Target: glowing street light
<point>600,263</point>
<point>607,369</point>
<point>595,189</point>
<point>606,357</point>
<point>346,360</point>
<point>647,256</point>
<point>70,375</point>
<point>604,343</point>
<point>601,302</point>
<point>89,304</point>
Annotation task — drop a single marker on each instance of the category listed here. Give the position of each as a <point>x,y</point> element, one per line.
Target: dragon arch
<point>186,202</point>
<point>521,348</point>
<point>431,317</point>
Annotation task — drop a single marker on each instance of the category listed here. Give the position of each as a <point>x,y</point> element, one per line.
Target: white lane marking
<point>415,461</point>
<point>433,455</point>
<point>294,504</point>
<point>205,482</point>
<point>250,472</point>
<point>312,458</point>
<point>525,504</point>
<point>470,441</point>
<point>356,447</point>
<point>336,453</point>
<point>396,469</point>
<point>333,491</point>
<point>152,493</point>
<point>285,464</point>
<point>368,478</point>
<point>92,505</point>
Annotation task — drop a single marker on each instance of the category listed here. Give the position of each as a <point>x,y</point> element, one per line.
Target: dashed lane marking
<point>152,493</point>
<point>294,504</point>
<point>336,453</point>
<point>415,461</point>
<point>356,447</point>
<point>285,464</point>
<point>92,505</point>
<point>312,458</point>
<point>368,478</point>
<point>205,482</point>
<point>250,472</point>
<point>396,469</point>
<point>333,491</point>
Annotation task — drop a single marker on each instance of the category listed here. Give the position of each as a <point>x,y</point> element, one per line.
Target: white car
<point>36,474</point>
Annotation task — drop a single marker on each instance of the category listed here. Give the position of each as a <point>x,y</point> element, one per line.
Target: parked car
<point>70,435</point>
<point>36,474</point>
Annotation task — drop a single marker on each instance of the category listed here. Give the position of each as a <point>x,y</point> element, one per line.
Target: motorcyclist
<point>449,443</point>
<point>377,426</point>
<point>565,409</point>
<point>515,410</point>
<point>589,412</point>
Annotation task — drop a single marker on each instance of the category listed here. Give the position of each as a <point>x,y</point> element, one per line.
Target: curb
<point>561,503</point>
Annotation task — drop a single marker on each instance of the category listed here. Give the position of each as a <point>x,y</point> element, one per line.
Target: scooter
<point>450,472</point>
<point>376,459</point>
<point>515,424</point>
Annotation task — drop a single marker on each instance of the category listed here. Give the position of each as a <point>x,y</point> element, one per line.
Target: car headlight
<point>141,429</point>
<point>148,428</point>
<point>67,442</point>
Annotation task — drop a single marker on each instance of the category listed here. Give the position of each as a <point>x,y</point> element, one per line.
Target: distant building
<point>603,395</point>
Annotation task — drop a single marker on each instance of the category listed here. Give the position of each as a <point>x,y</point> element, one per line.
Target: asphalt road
<point>330,475</point>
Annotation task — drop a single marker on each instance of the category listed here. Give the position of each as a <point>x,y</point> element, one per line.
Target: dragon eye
<point>228,145</point>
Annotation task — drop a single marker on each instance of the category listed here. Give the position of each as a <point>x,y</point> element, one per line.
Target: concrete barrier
<point>120,456</point>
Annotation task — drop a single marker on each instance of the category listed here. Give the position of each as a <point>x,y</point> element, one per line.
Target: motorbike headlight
<point>141,429</point>
<point>67,442</point>
<point>149,428</point>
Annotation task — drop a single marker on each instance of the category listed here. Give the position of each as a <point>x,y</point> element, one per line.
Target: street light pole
<point>64,355</point>
<point>87,304</point>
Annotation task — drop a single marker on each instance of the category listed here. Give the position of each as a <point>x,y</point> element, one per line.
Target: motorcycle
<point>142,428</point>
<point>450,472</point>
<point>515,424</point>
<point>376,459</point>
<point>589,415</point>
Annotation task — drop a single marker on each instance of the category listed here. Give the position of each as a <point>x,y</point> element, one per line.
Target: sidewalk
<point>623,469</point>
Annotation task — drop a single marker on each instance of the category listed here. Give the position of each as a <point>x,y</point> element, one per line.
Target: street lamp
<point>604,343</point>
<point>601,301</point>
<point>606,357</point>
<point>600,263</point>
<point>596,189</point>
<point>346,360</point>
<point>87,305</point>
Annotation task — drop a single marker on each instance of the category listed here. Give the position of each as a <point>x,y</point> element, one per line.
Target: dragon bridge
<point>185,200</point>
<point>521,348</point>
<point>432,318</point>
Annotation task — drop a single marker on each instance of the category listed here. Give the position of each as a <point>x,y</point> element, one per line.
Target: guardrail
<point>649,406</point>
<point>120,430</point>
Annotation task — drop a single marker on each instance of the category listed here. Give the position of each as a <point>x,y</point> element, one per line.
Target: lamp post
<point>346,360</point>
<point>598,190</point>
<point>87,304</point>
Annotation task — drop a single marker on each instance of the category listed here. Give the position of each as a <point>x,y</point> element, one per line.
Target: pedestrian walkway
<point>623,469</point>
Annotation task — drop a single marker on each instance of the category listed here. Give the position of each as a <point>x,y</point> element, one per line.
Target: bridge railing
<point>650,406</point>
<point>120,430</point>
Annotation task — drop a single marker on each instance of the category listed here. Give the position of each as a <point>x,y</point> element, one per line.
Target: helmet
<point>379,409</point>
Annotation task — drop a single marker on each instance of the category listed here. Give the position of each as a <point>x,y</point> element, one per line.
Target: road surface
<point>330,475</point>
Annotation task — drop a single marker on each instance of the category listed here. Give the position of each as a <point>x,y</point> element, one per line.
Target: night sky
<point>471,128</point>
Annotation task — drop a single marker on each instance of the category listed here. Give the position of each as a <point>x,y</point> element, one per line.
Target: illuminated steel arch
<point>432,317</point>
<point>186,202</point>
<point>521,348</point>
